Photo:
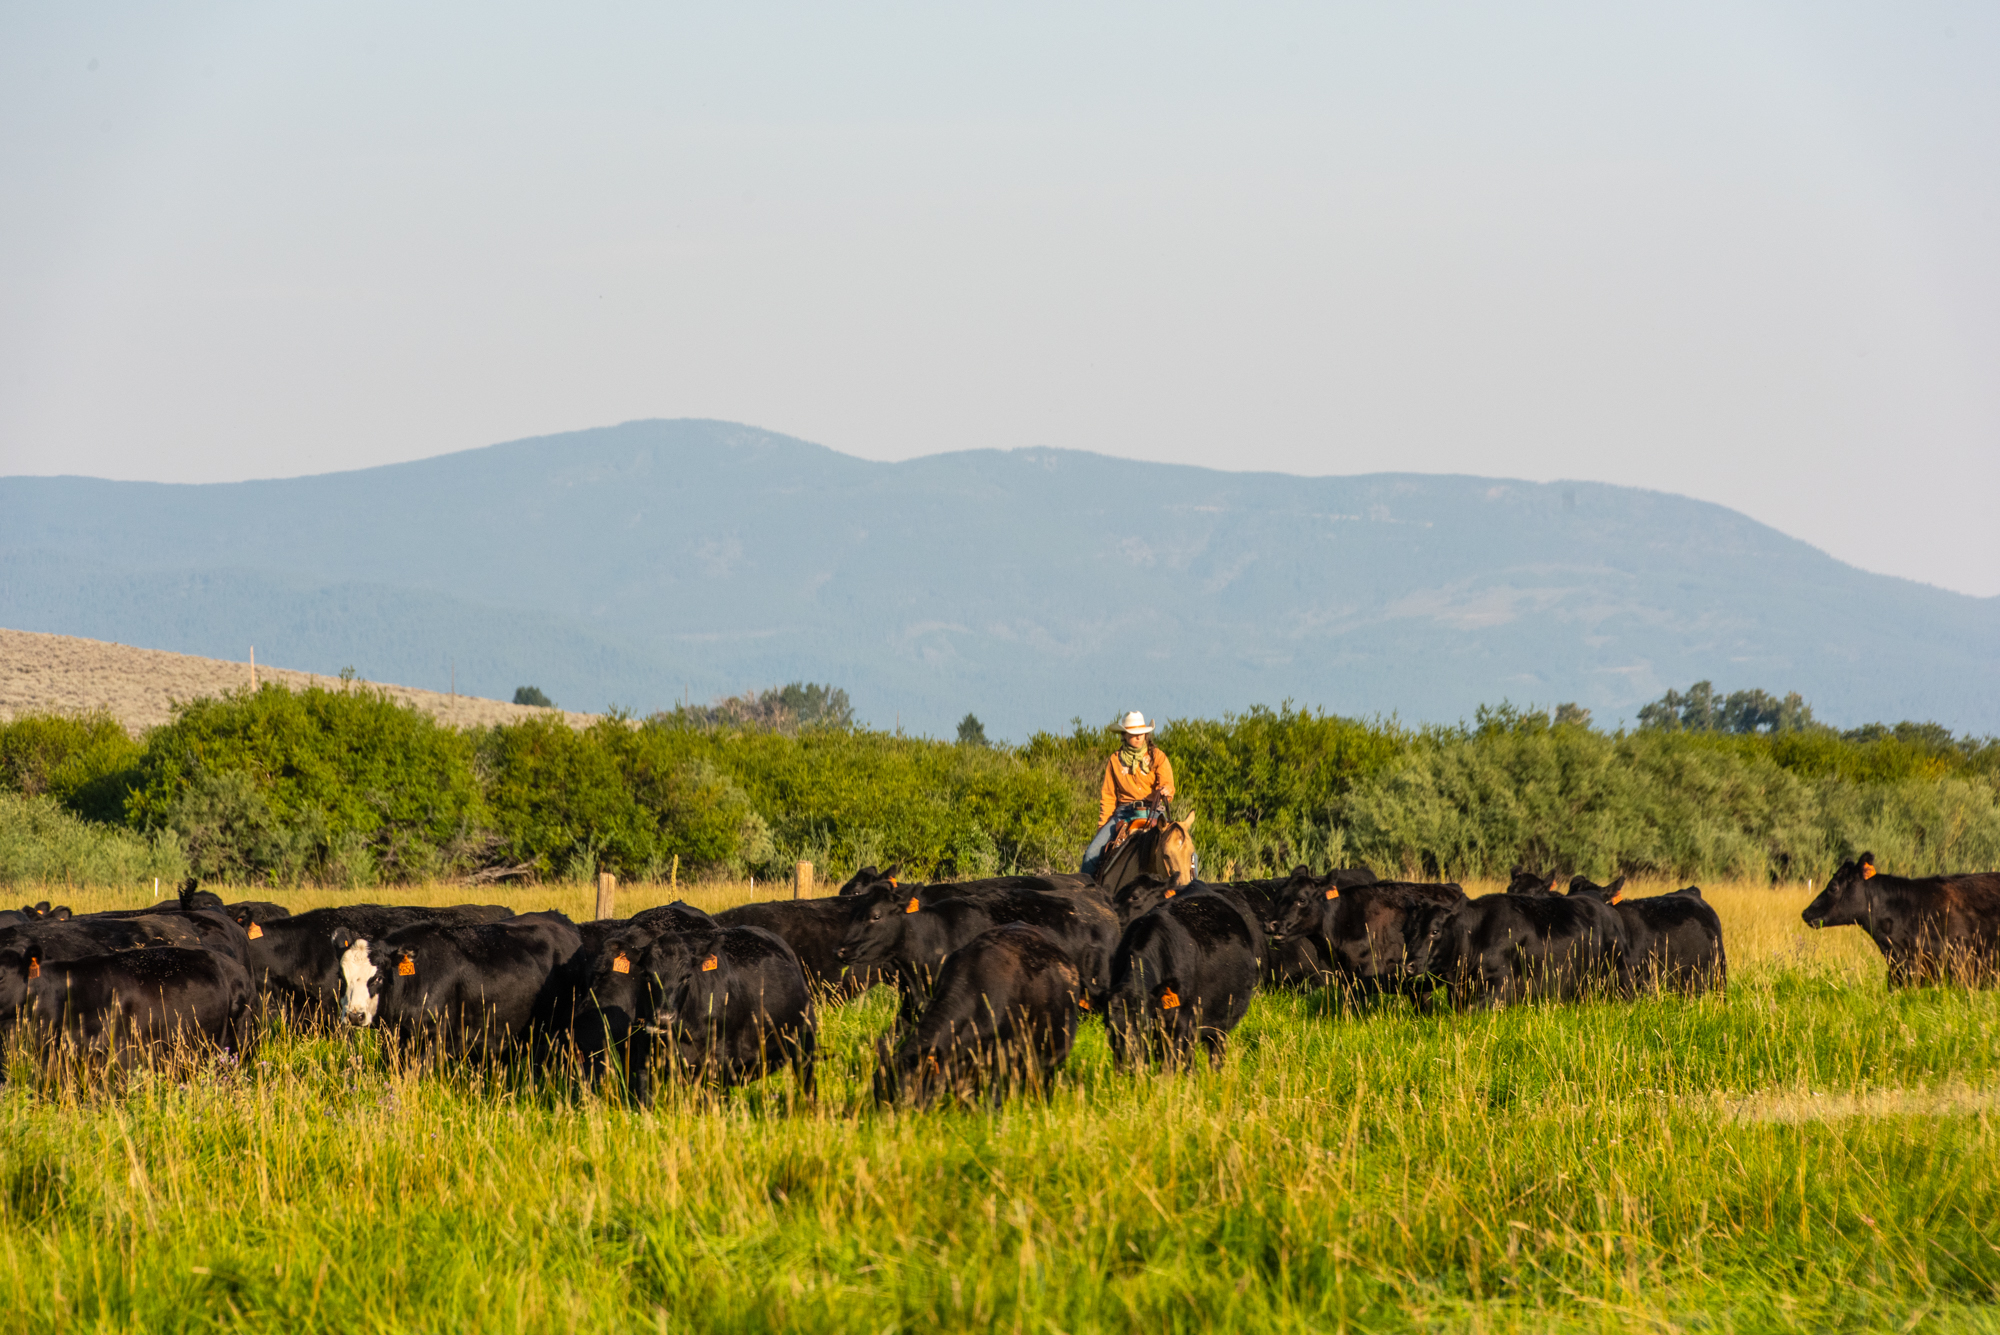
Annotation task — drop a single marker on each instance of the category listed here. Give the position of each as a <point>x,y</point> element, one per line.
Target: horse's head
<point>1173,852</point>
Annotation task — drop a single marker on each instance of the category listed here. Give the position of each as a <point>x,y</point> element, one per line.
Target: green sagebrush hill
<point>340,784</point>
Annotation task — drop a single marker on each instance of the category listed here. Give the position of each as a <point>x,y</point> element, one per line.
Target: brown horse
<point>1161,848</point>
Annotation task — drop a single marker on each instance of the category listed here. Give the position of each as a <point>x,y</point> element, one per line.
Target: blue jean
<point>1098,842</point>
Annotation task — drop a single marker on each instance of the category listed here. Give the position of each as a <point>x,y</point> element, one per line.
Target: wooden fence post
<point>607,894</point>
<point>802,881</point>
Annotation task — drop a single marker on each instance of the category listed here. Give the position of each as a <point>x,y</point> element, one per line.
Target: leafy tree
<point>971,732</point>
<point>358,777</point>
<point>560,802</point>
<point>86,762</point>
<point>533,695</point>
<point>1702,709</point>
<point>783,709</point>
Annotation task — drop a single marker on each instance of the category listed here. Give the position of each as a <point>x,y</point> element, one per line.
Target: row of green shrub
<point>342,785</point>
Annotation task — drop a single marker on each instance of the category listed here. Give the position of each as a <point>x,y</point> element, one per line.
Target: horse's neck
<point>1137,858</point>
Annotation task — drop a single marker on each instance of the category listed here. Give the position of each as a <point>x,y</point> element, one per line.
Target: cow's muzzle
<point>359,1019</point>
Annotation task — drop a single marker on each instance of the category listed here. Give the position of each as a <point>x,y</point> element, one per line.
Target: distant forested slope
<point>648,562</point>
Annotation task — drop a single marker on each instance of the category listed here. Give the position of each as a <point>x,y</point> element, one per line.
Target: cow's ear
<point>34,966</point>
<point>59,915</point>
<point>1867,864</point>
<point>406,963</point>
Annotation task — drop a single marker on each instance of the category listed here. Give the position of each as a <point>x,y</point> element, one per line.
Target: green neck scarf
<point>1136,759</point>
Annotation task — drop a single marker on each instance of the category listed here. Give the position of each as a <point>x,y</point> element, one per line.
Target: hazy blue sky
<point>1742,251</point>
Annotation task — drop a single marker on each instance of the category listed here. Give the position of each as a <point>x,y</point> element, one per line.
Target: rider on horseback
<point>1138,782</point>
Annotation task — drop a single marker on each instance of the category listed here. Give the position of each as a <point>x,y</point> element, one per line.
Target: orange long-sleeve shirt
<point>1120,787</point>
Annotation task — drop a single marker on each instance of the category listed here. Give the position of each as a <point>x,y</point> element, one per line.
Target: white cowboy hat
<point>1134,722</point>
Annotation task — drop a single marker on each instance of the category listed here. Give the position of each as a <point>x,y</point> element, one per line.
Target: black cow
<point>1525,882</point>
<point>911,933</point>
<point>598,1024</point>
<point>1183,974</point>
<point>470,989</point>
<point>246,911</point>
<point>727,1007</point>
<point>1672,941</point>
<point>606,1006</point>
<point>1298,955</point>
<point>869,877</point>
<point>130,1002</point>
<point>294,962</point>
<point>1930,929</point>
<point>679,916</point>
<point>75,938</point>
<point>1003,1014</point>
<point>29,913</point>
<point>814,929</point>
<point>1360,928</point>
<point>1506,948</point>
<point>189,898</point>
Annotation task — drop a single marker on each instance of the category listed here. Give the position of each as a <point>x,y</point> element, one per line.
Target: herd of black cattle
<point>994,976</point>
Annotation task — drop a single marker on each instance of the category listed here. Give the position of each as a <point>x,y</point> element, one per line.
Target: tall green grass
<point>1804,1152</point>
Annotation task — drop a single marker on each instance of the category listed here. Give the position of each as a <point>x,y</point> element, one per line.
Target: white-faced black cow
<point>910,932</point>
<point>726,1007</point>
<point>1672,941</point>
<point>130,1002</point>
<point>1003,1015</point>
<point>295,964</point>
<point>457,990</point>
<point>1930,929</point>
<point>1183,973</point>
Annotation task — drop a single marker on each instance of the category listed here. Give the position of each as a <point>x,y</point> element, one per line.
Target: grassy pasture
<point>1807,1152</point>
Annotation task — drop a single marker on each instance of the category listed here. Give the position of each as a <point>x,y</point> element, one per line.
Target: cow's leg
<point>1217,1043</point>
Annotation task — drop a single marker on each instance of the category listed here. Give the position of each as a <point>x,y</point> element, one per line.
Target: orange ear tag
<point>1617,896</point>
<point>1083,1003</point>
<point>1332,894</point>
<point>620,964</point>
<point>1168,1001</point>
<point>1867,870</point>
<point>892,882</point>
<point>1170,894</point>
<point>406,966</point>
<point>912,906</point>
<point>708,965</point>
<point>255,931</point>
<point>34,968</point>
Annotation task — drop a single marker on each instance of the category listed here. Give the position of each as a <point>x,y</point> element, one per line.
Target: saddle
<point>1126,829</point>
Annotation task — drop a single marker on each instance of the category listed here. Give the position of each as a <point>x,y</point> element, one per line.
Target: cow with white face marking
<point>471,990</point>
<point>295,964</point>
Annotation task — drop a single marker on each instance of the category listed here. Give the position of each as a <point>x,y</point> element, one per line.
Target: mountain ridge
<point>650,561</point>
